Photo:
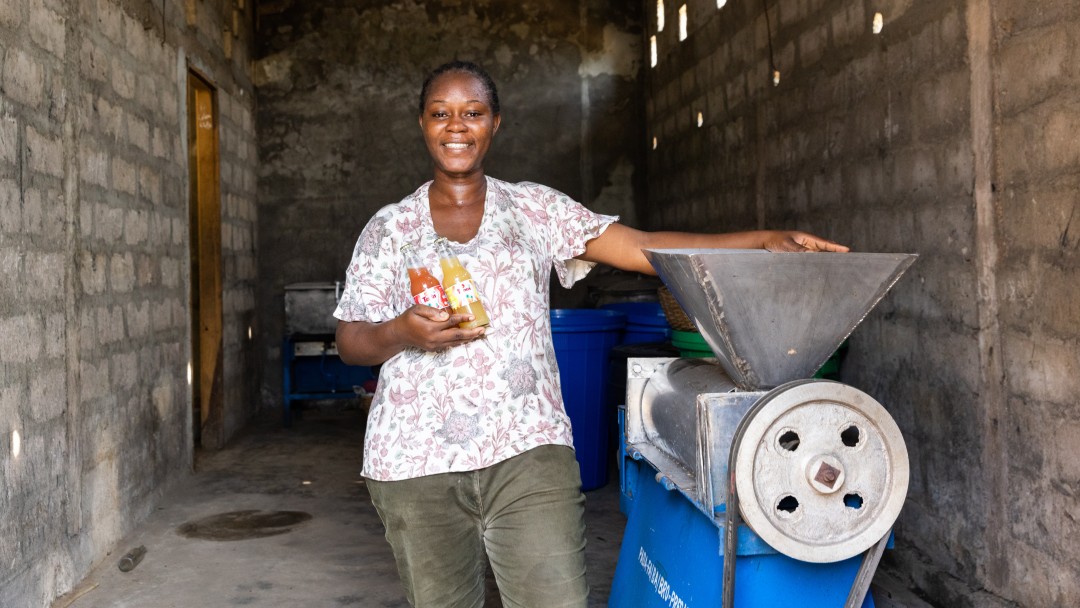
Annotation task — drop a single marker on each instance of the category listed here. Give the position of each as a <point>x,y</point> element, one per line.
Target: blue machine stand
<point>312,369</point>
<point>672,557</point>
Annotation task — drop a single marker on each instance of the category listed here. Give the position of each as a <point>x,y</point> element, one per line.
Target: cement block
<point>93,371</point>
<point>168,106</point>
<point>109,17</point>
<point>160,144</point>
<point>45,152</point>
<point>124,370</point>
<point>55,335</point>
<point>138,319</point>
<point>150,185</point>
<point>144,271</point>
<point>123,79</point>
<point>48,393</point>
<point>34,202</point>
<point>138,132</point>
<point>123,176</point>
<point>136,226</point>
<point>170,271</point>
<point>92,273</point>
<point>48,29</point>
<point>1040,219</point>
<point>11,267</point>
<point>1041,368</point>
<point>1032,66</point>
<point>46,272</point>
<point>1035,577</point>
<point>11,14</point>
<point>136,40</point>
<point>94,61</point>
<point>121,273</point>
<point>164,314</point>
<point>1061,145</point>
<point>146,91</point>
<point>1019,138</point>
<point>93,165</point>
<point>13,394</point>
<point>849,23</point>
<point>110,324</point>
<point>23,78</point>
<point>179,231</point>
<point>160,228</point>
<point>1016,16</point>
<point>11,221</point>
<point>101,481</point>
<point>108,222</point>
<point>113,120</point>
<point>9,139</point>
<point>949,293</point>
<point>23,333</point>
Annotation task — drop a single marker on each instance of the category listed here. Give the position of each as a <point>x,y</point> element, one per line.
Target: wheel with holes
<point>821,470</point>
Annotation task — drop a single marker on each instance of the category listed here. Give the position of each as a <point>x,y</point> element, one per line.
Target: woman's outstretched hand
<point>791,240</point>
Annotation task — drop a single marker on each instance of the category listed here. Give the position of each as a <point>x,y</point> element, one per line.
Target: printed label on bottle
<point>434,297</point>
<point>462,294</point>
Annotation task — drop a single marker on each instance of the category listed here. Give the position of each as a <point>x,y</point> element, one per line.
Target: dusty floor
<point>203,546</point>
<point>338,557</point>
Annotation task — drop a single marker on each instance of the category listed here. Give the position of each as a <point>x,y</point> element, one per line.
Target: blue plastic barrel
<point>645,321</point>
<point>583,341</point>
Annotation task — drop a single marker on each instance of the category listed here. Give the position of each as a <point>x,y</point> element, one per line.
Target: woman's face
<point>458,123</point>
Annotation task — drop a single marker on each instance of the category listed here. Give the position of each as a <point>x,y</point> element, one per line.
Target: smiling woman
<point>458,117</point>
<point>476,415</point>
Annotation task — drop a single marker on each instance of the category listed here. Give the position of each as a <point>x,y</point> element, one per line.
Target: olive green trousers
<point>524,515</point>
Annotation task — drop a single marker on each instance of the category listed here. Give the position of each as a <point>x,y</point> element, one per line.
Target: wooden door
<point>205,243</point>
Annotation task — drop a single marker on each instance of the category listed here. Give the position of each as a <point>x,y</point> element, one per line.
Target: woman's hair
<point>469,68</point>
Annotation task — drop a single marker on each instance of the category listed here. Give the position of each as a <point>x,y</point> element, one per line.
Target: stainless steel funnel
<point>775,317</point>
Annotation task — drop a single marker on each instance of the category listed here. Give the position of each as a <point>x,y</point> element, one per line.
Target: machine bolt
<point>825,474</point>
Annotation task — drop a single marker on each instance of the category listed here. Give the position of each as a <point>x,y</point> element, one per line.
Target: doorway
<point>204,204</point>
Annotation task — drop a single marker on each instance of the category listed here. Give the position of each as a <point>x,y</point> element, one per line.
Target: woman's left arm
<point>620,246</point>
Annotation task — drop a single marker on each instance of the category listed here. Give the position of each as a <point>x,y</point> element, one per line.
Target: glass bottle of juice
<point>460,289</point>
<point>425,288</point>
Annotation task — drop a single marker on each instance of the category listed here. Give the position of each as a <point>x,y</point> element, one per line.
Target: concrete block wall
<point>1036,172</point>
<point>239,265</point>
<point>95,404</point>
<point>951,134</point>
<point>338,83</point>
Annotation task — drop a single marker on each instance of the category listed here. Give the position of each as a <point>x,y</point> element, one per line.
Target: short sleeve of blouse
<point>571,226</point>
<point>369,293</point>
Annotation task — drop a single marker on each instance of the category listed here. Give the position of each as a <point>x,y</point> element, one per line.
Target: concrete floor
<point>336,558</point>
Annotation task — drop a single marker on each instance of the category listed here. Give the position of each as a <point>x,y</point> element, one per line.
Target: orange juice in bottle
<point>423,285</point>
<point>460,289</point>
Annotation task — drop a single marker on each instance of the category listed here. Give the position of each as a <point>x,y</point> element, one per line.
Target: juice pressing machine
<point>817,470</point>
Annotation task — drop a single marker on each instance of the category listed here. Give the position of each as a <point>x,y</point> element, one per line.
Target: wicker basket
<point>676,316</point>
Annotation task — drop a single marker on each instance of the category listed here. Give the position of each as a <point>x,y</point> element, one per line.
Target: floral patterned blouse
<point>474,405</point>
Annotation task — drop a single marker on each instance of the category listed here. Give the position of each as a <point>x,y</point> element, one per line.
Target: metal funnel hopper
<point>775,317</point>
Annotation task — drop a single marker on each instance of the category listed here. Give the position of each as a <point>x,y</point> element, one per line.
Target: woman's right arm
<point>423,327</point>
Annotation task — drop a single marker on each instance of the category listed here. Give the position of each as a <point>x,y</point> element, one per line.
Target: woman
<point>468,450</point>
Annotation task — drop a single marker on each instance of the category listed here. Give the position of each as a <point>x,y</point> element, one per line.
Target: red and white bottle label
<point>434,297</point>
<point>462,294</point>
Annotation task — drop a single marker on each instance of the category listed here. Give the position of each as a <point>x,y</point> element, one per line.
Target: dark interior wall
<point>951,134</point>
<point>338,82</point>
